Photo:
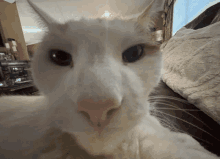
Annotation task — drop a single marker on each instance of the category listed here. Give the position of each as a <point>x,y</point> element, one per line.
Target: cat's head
<point>97,74</point>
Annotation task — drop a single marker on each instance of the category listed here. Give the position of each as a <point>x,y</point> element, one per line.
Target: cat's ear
<point>43,18</point>
<point>148,16</point>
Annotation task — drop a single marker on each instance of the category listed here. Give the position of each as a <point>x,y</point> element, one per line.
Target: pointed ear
<point>43,18</point>
<point>148,17</point>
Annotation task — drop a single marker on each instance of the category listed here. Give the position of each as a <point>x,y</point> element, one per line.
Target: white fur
<point>98,72</point>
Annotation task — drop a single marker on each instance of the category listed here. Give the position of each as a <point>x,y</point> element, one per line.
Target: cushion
<point>191,67</point>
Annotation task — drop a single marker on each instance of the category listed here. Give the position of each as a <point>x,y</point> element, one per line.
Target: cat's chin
<point>105,143</point>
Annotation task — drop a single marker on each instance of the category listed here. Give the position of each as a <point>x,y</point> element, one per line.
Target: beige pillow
<point>192,67</point>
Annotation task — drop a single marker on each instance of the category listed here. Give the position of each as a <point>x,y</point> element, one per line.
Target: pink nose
<point>98,113</point>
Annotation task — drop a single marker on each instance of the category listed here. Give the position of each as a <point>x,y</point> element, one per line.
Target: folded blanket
<point>192,67</point>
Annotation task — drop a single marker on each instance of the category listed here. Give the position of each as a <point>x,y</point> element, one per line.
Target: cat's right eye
<point>60,57</point>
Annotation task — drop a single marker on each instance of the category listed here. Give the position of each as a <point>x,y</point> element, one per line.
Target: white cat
<point>95,76</point>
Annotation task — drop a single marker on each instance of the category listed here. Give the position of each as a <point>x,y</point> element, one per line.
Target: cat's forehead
<point>104,29</point>
<point>103,25</point>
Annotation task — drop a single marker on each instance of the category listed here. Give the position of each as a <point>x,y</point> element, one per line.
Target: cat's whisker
<point>188,123</point>
<point>162,117</point>
<point>179,109</point>
<point>175,129</point>
<point>167,97</point>
<point>165,122</point>
<point>184,110</point>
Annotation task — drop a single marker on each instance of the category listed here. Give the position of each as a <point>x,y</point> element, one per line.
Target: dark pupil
<point>61,56</point>
<point>134,53</point>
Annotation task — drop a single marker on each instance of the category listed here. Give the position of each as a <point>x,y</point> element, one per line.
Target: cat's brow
<point>147,40</point>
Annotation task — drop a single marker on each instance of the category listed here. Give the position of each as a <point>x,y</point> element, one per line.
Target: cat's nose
<point>98,113</point>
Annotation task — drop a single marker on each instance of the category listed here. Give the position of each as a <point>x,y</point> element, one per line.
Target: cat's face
<point>96,74</point>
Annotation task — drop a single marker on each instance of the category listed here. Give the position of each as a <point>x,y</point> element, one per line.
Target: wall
<point>11,26</point>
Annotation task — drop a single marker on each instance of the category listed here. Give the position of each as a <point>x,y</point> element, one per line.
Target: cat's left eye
<point>133,54</point>
<point>60,57</point>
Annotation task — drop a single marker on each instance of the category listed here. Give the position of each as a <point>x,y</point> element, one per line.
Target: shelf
<point>16,87</point>
<point>3,49</point>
